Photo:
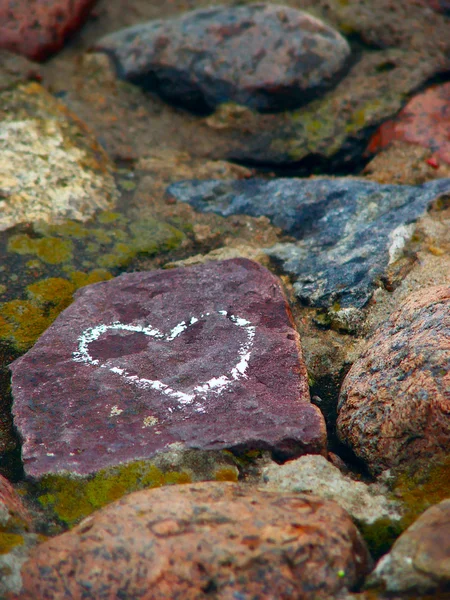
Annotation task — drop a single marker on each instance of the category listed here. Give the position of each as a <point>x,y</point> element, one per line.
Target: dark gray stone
<point>205,357</point>
<point>266,56</point>
<point>348,230</point>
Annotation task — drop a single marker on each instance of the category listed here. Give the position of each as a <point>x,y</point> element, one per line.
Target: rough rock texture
<point>394,403</point>
<point>206,356</point>
<point>349,231</point>
<point>16,69</point>
<point>15,538</point>
<point>265,56</point>
<point>315,474</point>
<point>425,121</point>
<point>37,29</point>
<point>51,166</point>
<point>419,562</point>
<point>203,540</point>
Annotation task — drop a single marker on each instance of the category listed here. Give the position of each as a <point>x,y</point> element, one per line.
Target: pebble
<point>265,56</point>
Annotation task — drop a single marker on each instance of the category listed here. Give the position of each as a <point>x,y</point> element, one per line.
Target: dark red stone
<point>219,365</point>
<point>424,121</point>
<point>36,28</point>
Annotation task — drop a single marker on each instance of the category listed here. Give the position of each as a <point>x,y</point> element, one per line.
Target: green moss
<point>72,499</point>
<point>51,250</point>
<point>54,290</point>
<point>8,541</point>
<point>226,474</point>
<point>381,535</point>
<point>423,488</point>
<point>109,217</point>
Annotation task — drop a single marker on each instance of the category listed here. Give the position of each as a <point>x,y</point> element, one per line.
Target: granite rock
<point>316,475</point>
<point>425,121</point>
<point>38,29</point>
<point>203,540</point>
<point>51,166</point>
<point>266,56</point>
<point>419,562</point>
<point>207,357</point>
<point>394,404</point>
<point>349,231</point>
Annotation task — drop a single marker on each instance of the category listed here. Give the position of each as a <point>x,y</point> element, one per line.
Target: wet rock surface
<point>424,121</point>
<point>38,29</point>
<point>203,539</point>
<point>349,231</point>
<point>206,356</point>
<point>419,560</point>
<point>265,56</point>
<point>393,406</point>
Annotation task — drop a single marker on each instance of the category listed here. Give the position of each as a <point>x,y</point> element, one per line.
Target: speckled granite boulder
<point>266,56</point>
<point>205,357</point>
<point>37,29</point>
<point>419,562</point>
<point>51,166</point>
<point>204,540</point>
<point>394,403</point>
<point>349,232</point>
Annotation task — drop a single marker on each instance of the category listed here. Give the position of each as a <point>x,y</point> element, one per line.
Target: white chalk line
<point>215,385</point>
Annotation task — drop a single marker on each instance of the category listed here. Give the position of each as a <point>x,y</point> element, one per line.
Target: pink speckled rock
<point>212,540</point>
<point>205,357</point>
<point>394,406</point>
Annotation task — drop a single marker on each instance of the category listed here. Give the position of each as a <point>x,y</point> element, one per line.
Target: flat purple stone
<point>205,357</point>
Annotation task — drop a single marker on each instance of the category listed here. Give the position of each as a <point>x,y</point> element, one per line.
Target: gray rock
<point>265,56</point>
<point>349,231</point>
<point>316,475</point>
<point>419,562</point>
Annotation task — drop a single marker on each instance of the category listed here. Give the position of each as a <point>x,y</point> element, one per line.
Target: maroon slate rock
<point>207,357</point>
<point>394,405</point>
<point>37,29</point>
<point>208,540</point>
<point>266,56</point>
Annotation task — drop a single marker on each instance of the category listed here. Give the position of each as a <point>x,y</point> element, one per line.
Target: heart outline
<point>215,385</point>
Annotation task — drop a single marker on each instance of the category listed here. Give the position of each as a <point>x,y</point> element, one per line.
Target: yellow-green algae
<point>8,541</point>
<point>57,259</point>
<point>72,498</point>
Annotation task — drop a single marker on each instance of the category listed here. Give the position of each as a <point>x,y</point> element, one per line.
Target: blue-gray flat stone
<point>348,230</point>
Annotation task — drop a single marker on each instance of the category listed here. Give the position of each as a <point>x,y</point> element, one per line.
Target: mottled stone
<point>265,56</point>
<point>425,121</point>
<point>316,475</point>
<point>16,69</point>
<point>203,540</point>
<point>206,356</point>
<point>394,403</point>
<point>349,232</point>
<point>15,538</point>
<point>51,166</point>
<point>38,29</point>
<point>419,562</point>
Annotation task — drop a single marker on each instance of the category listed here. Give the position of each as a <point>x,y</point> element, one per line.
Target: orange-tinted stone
<point>210,540</point>
<point>425,121</point>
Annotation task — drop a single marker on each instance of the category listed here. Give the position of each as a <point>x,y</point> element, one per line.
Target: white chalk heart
<point>215,385</point>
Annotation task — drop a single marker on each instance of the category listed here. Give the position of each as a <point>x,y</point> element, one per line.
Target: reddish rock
<point>425,121</point>
<point>394,406</point>
<point>419,561</point>
<point>207,357</point>
<point>265,56</point>
<point>12,511</point>
<point>204,540</point>
<point>37,29</point>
